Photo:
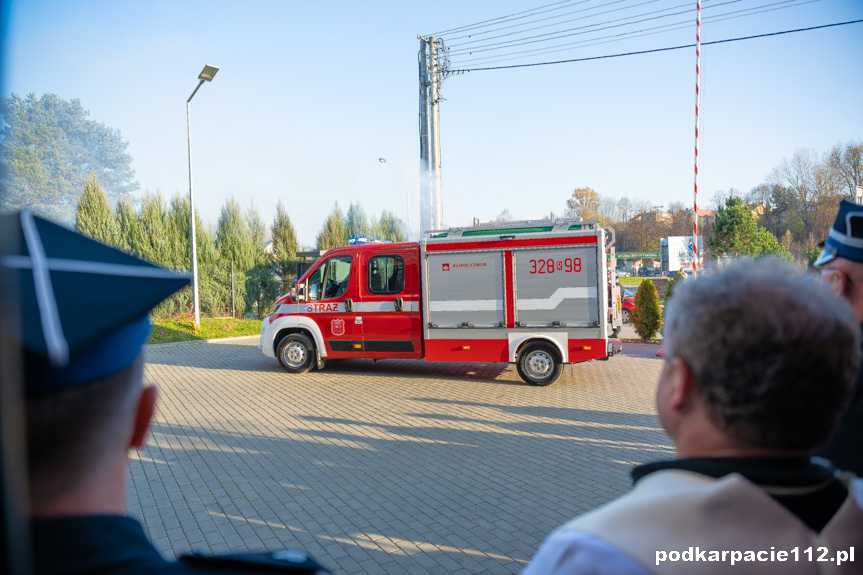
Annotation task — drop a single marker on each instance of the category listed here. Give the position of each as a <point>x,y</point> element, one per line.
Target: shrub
<point>647,317</point>
<point>677,277</point>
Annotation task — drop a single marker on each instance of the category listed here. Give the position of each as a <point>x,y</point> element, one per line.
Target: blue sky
<point>310,94</point>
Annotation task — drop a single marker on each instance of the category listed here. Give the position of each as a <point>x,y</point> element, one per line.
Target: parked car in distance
<point>627,305</point>
<point>645,272</point>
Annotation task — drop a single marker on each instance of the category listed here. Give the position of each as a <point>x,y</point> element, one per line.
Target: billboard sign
<point>681,252</point>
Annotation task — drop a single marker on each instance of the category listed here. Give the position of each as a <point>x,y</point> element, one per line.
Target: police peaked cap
<point>83,305</point>
<point>845,239</point>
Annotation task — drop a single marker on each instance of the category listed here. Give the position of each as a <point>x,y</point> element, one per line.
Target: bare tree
<point>847,164</point>
<point>812,187</point>
<point>680,223</point>
<point>607,211</point>
<point>717,200</point>
<point>625,210</point>
<point>642,230</point>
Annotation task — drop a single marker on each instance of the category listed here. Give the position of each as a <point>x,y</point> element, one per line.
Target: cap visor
<point>828,254</point>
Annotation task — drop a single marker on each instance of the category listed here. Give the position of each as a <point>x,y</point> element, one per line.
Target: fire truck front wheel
<point>538,364</point>
<point>296,353</point>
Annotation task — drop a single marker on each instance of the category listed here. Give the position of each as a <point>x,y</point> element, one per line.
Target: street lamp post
<point>407,193</point>
<point>206,75</point>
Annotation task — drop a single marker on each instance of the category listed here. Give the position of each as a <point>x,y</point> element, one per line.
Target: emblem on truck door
<point>446,267</point>
<point>338,326</point>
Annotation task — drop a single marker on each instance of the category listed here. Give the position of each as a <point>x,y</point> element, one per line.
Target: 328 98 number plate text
<point>550,266</point>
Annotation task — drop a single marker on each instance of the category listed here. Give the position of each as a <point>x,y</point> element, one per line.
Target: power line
<point>619,37</point>
<point>556,16</point>
<point>552,18</point>
<point>687,5</point>
<point>657,49</point>
<point>563,33</point>
<point>572,31</point>
<point>480,24</point>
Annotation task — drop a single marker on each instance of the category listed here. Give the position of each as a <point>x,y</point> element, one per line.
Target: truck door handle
<point>349,305</point>
<point>399,304</point>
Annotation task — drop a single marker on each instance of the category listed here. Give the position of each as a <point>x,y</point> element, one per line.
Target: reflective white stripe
<point>359,307</point>
<point>386,306</point>
<point>556,298</point>
<point>84,267</point>
<point>848,240</point>
<point>467,305</point>
<point>58,348</point>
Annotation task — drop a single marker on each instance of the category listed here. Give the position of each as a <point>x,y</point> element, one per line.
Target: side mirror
<point>301,292</point>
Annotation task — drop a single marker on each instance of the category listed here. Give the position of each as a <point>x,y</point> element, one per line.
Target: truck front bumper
<point>267,335</point>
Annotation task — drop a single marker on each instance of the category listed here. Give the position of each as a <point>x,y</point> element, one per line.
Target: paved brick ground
<point>398,467</point>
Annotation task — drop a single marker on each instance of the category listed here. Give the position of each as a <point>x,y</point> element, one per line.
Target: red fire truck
<point>538,294</point>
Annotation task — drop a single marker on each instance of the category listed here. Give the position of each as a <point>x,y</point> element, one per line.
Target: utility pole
<point>432,58</point>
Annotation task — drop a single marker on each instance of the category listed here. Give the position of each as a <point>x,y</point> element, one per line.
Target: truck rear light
<point>358,346</point>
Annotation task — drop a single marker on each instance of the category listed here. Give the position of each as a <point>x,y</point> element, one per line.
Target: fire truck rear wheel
<point>296,353</point>
<point>538,364</point>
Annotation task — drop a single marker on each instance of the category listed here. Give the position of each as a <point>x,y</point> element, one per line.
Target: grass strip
<point>175,329</point>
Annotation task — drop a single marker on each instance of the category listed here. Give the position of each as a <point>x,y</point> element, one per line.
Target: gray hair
<point>772,352</point>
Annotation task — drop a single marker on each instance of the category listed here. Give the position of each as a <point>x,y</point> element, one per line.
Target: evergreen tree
<point>94,216</point>
<point>214,276</point>
<point>205,238</point>
<point>647,317</point>
<point>736,233</point>
<point>389,227</point>
<point>357,222</point>
<point>128,234</point>
<point>257,233</point>
<point>233,237</point>
<point>180,233</point>
<point>262,288</point>
<point>284,238</point>
<point>334,232</point>
<point>154,244</point>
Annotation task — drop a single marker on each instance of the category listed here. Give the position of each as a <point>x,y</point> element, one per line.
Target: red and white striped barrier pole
<point>697,120</point>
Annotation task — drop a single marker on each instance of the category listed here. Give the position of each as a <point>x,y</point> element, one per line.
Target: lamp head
<point>382,160</point>
<point>208,73</point>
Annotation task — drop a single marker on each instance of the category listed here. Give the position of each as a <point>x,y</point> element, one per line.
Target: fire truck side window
<point>386,274</point>
<point>338,274</point>
<point>330,279</point>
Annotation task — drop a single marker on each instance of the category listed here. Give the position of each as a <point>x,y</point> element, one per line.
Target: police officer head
<point>841,260</point>
<point>82,326</point>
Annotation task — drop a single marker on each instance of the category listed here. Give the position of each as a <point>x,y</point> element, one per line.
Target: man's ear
<point>682,385</point>
<point>838,281</point>
<point>143,416</point>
